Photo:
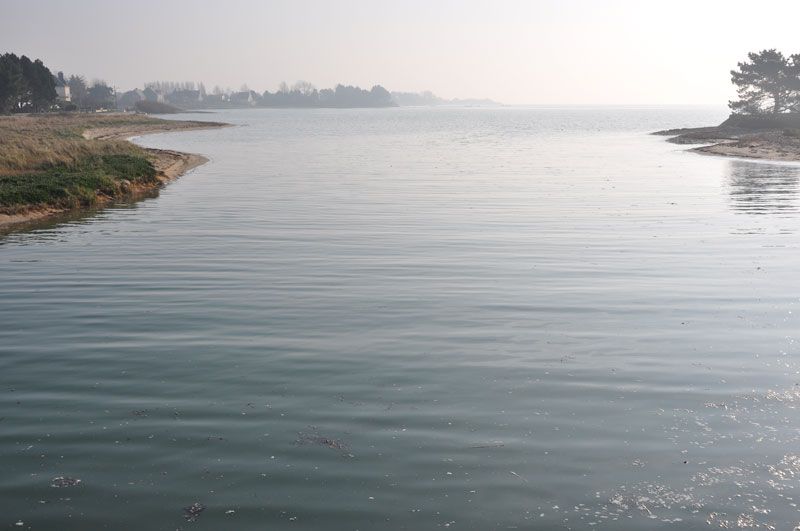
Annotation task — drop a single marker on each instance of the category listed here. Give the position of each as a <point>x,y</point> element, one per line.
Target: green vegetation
<point>46,161</point>
<point>70,186</point>
<point>768,83</point>
<point>25,85</point>
<point>66,160</point>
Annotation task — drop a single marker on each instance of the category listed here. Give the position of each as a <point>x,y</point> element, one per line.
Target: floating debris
<point>193,511</point>
<point>320,440</point>
<point>62,482</point>
<point>517,475</point>
<point>495,444</point>
<point>350,402</point>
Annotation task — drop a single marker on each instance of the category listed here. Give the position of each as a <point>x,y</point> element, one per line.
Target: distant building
<point>185,98</point>
<point>213,100</point>
<point>62,89</point>
<point>248,97</point>
<point>128,100</point>
<point>152,95</point>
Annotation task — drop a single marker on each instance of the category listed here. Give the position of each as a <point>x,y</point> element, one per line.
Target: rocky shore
<point>755,137</point>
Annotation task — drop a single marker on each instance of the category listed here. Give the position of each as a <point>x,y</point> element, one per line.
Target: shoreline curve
<point>169,165</point>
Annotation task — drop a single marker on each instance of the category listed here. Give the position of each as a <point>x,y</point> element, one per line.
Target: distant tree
<point>166,88</point>
<point>12,83</point>
<point>380,96</point>
<point>416,98</point>
<point>100,96</point>
<point>304,95</point>
<point>346,96</point>
<point>25,85</point>
<point>304,87</point>
<point>763,83</point>
<point>77,90</point>
<point>41,86</point>
<point>326,96</point>
<point>45,93</point>
<point>793,82</point>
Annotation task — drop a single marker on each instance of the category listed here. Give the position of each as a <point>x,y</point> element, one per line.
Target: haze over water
<point>532,318</point>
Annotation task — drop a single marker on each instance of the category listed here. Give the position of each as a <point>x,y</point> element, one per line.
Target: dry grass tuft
<point>37,142</point>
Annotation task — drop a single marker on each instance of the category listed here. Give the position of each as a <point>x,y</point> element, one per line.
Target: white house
<point>62,89</point>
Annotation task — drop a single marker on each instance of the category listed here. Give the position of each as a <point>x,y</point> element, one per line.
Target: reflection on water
<point>757,188</point>
<point>47,228</point>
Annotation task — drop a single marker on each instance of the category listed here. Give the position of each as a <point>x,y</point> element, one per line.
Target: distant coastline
<point>768,137</point>
<point>168,98</point>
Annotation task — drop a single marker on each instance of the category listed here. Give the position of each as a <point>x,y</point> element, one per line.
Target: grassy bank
<point>66,161</point>
<point>78,184</point>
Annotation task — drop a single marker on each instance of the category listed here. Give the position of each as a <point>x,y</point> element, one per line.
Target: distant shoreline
<point>774,138</point>
<point>169,165</point>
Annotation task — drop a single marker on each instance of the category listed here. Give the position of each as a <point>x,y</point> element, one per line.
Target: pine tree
<point>762,83</point>
<point>11,83</point>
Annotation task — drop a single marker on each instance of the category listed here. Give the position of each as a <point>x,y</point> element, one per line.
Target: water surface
<point>532,318</point>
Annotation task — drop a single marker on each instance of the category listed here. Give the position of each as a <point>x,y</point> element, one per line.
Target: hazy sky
<point>525,51</point>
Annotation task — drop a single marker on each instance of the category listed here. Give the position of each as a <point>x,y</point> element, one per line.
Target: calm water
<point>413,319</point>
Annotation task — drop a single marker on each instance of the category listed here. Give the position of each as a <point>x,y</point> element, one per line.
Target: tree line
<point>167,87</point>
<point>189,95</point>
<point>29,86</point>
<point>768,82</point>
<point>304,94</point>
<point>88,96</point>
<point>25,85</point>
